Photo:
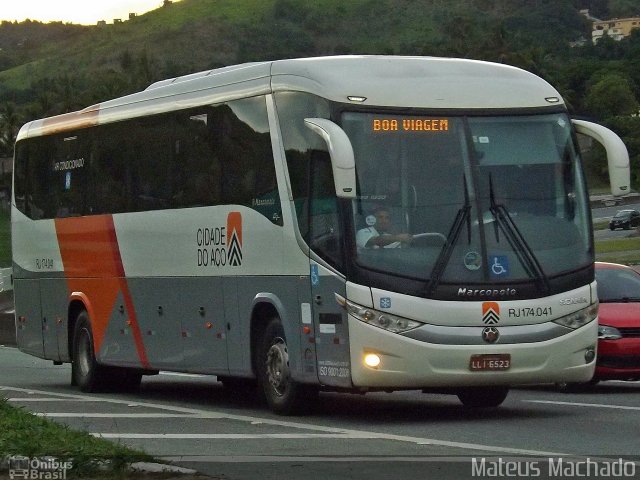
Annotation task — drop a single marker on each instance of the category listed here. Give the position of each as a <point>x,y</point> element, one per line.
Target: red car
<point>619,323</point>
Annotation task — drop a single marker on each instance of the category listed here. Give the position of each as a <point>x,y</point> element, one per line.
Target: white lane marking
<point>116,415</point>
<point>213,436</point>
<point>319,458</point>
<point>31,399</point>
<point>376,458</point>
<point>304,426</point>
<point>178,374</point>
<point>576,404</point>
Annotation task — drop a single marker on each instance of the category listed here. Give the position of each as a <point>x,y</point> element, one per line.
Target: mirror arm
<point>341,152</point>
<point>617,154</point>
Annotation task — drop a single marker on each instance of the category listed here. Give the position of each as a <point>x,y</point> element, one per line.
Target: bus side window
<point>247,158</point>
<point>109,169</point>
<point>325,237</point>
<point>39,201</point>
<point>69,174</point>
<point>299,144</point>
<point>150,153</point>
<point>197,173</point>
<point>20,175</point>
<point>34,192</point>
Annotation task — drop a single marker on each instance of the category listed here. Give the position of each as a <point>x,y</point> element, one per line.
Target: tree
<point>9,125</point>
<point>611,96</point>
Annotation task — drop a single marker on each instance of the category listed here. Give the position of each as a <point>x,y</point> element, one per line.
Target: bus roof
<point>389,81</point>
<point>421,82</point>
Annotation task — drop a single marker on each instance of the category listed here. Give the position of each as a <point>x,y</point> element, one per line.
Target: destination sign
<point>410,125</point>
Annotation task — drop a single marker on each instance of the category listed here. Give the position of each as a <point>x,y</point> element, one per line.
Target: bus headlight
<point>372,360</point>
<point>580,318</point>
<point>386,321</point>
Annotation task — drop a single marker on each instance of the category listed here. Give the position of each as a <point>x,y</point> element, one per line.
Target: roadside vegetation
<point>24,434</point>
<point>619,250</point>
<point>624,250</point>
<point>601,225</point>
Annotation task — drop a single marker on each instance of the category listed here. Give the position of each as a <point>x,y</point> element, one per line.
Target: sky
<point>85,12</point>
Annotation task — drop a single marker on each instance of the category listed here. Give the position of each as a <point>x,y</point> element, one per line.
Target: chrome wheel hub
<point>84,354</point>
<point>278,366</point>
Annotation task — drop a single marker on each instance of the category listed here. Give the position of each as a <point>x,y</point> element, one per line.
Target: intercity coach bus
<point>239,222</point>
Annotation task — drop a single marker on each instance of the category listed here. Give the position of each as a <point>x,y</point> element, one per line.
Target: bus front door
<point>331,327</point>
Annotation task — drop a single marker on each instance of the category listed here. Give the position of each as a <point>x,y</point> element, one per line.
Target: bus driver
<point>377,233</point>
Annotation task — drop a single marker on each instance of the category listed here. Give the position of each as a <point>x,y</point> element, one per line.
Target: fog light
<point>371,360</point>
<point>589,354</point>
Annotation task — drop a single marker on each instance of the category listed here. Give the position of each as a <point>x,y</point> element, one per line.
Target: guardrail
<point>5,279</point>
<point>599,201</point>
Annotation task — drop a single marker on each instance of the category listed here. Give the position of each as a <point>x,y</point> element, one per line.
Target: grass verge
<point>619,250</point>
<point>27,435</point>
<point>601,224</point>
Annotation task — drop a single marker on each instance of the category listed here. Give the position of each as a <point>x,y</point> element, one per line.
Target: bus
<point>213,224</point>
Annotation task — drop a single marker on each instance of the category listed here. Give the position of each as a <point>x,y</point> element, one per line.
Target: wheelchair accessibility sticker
<point>499,266</point>
<point>315,275</point>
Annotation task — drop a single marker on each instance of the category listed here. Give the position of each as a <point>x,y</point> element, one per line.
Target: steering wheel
<point>437,235</point>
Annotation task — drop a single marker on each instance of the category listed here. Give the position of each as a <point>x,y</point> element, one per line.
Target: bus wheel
<point>284,395</point>
<point>86,372</point>
<point>483,397</point>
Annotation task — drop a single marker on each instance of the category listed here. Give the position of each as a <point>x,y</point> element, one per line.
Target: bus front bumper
<point>409,363</point>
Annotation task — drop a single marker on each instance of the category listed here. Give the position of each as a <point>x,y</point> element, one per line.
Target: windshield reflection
<point>618,285</point>
<point>468,199</point>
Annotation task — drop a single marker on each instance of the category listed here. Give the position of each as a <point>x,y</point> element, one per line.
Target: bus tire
<point>85,370</point>
<point>483,397</point>
<point>284,395</point>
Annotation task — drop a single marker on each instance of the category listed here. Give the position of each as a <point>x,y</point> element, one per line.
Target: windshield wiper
<point>504,222</point>
<point>463,216</point>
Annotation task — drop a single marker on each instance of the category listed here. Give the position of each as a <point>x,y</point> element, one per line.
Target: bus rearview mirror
<point>341,153</point>
<point>617,154</point>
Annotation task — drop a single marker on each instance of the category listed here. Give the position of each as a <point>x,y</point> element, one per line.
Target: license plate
<point>500,361</point>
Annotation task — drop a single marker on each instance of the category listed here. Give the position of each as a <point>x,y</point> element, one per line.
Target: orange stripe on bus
<point>93,265</point>
<point>234,224</point>
<point>71,121</point>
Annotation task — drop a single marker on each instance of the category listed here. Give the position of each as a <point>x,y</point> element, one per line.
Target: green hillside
<point>47,69</point>
<point>200,34</point>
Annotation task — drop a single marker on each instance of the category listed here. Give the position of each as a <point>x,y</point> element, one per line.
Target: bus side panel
<point>181,323</point>
<point>170,323</point>
<point>238,332</point>
<point>198,306</point>
<point>54,318</point>
<point>28,316</point>
<point>119,345</point>
<point>158,309</point>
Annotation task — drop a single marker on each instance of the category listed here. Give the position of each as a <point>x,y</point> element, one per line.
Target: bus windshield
<point>468,199</point>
